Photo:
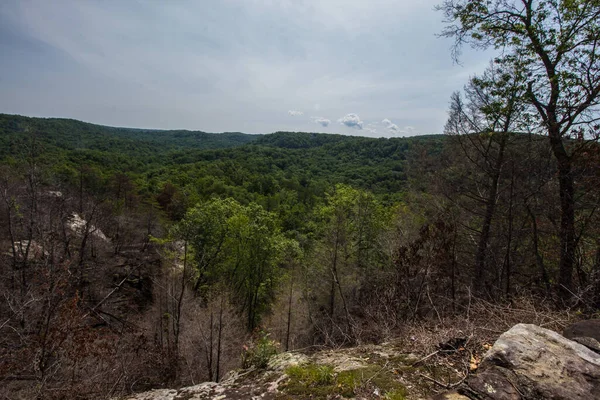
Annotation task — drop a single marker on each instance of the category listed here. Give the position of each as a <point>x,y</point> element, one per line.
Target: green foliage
<point>260,351</point>
<point>395,394</point>
<point>287,173</point>
<point>321,381</point>
<point>314,381</point>
<point>350,221</point>
<point>312,374</point>
<point>73,134</point>
<point>243,203</point>
<point>240,247</point>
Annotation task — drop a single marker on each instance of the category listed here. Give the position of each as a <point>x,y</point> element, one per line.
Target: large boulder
<point>529,362</point>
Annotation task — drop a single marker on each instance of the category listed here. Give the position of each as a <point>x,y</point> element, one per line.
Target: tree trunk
<point>219,336</point>
<point>597,277</point>
<point>567,216</point>
<point>538,256</point>
<point>490,209</point>
<point>210,351</point>
<point>177,316</point>
<point>289,315</point>
<point>509,251</point>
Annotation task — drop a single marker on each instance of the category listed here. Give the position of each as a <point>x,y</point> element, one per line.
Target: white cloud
<point>232,70</point>
<point>324,122</point>
<point>391,127</point>
<point>351,121</point>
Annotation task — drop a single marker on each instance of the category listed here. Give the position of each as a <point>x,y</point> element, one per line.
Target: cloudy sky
<point>367,67</point>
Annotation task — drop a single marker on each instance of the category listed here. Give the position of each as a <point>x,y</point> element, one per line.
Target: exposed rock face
<point>376,371</point>
<point>234,386</point>
<point>227,389</point>
<point>529,362</point>
<point>526,363</point>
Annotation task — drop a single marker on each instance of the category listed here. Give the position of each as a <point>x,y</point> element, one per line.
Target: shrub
<point>260,351</point>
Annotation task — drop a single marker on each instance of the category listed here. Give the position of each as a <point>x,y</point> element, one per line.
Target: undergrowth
<point>321,381</point>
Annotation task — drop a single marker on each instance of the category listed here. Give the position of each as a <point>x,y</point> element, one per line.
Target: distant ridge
<point>70,134</point>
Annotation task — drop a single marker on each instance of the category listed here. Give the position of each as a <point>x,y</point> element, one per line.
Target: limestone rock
<point>495,383</point>
<point>284,360</point>
<point>234,385</point>
<point>588,342</point>
<point>526,363</point>
<point>542,364</point>
<point>340,362</point>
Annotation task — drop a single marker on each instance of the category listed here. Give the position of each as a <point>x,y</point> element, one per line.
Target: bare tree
<point>557,44</point>
<point>481,128</point>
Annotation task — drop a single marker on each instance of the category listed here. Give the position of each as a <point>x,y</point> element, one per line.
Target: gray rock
<point>543,365</point>
<point>495,383</point>
<point>589,328</point>
<point>526,363</point>
<point>586,333</point>
<point>588,342</point>
<point>235,385</point>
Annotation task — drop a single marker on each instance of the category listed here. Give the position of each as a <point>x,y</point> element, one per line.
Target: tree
<point>349,225</point>
<point>238,247</point>
<point>557,45</point>
<point>206,229</point>
<point>481,127</point>
<point>255,247</point>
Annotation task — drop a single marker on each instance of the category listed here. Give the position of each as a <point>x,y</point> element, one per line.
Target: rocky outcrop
<point>248,384</point>
<point>525,363</point>
<point>364,372</point>
<point>529,362</point>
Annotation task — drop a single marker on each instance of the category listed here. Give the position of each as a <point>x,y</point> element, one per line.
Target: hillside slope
<point>70,134</point>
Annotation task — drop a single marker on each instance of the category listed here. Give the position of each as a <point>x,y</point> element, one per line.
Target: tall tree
<point>206,229</point>
<point>350,223</point>
<point>481,127</point>
<point>557,44</point>
<point>239,247</point>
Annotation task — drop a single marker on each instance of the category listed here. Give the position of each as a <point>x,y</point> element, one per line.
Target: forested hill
<point>168,239</point>
<point>290,160</point>
<point>232,164</point>
<point>304,140</point>
<point>72,134</point>
<point>69,134</point>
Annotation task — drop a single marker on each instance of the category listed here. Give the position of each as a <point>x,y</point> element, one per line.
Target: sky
<point>370,67</point>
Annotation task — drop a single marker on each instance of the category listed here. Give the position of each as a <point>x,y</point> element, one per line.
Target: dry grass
<point>483,322</point>
<point>480,323</point>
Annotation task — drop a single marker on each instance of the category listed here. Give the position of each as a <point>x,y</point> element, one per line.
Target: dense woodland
<point>133,259</point>
<point>146,263</point>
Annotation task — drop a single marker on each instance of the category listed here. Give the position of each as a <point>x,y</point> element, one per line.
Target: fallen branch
<point>425,358</point>
<point>377,373</point>
<point>93,309</point>
<point>445,386</point>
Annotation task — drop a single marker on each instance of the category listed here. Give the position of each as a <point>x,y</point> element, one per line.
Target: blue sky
<point>370,68</point>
